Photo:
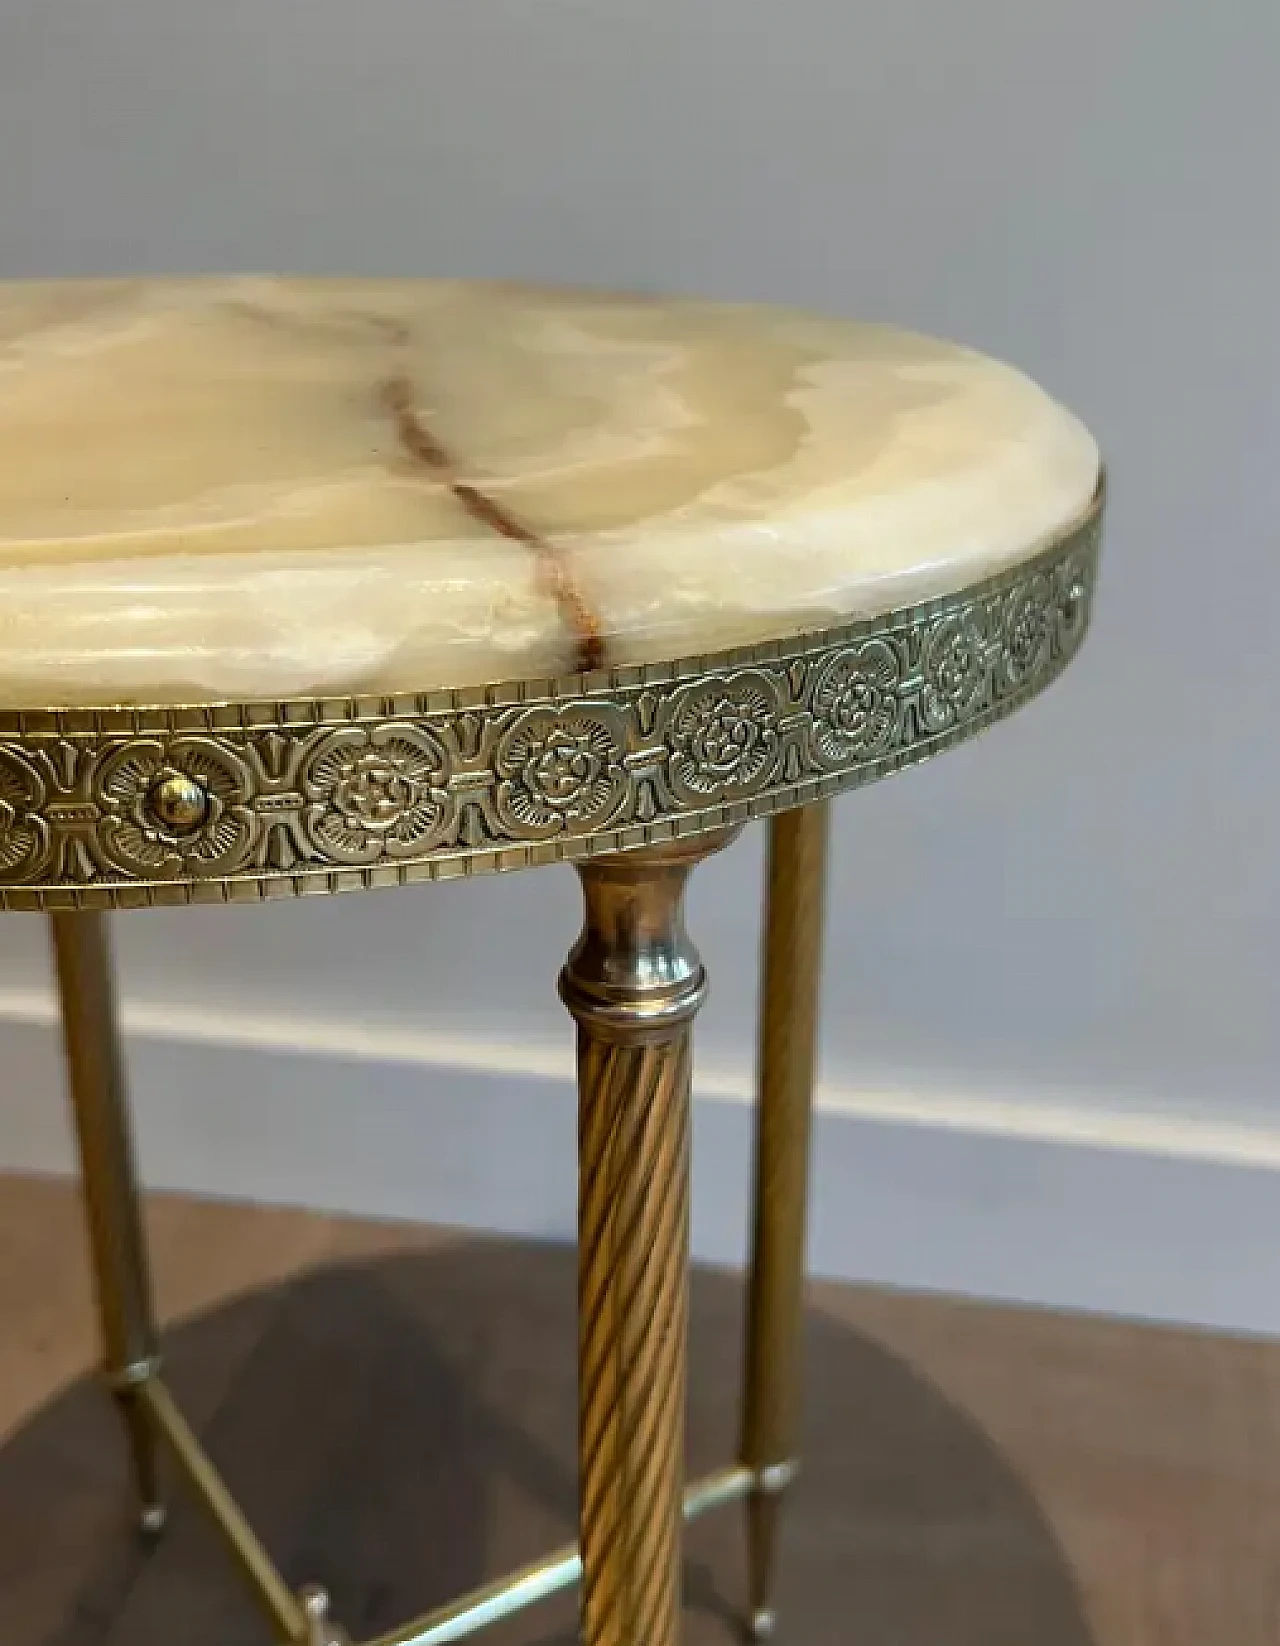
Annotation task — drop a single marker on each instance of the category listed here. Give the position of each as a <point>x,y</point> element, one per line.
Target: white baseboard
<point>1069,1205</point>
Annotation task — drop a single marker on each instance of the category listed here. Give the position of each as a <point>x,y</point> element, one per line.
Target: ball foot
<point>152,1519</point>
<point>763,1623</point>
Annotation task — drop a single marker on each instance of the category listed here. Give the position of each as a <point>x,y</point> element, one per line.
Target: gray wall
<point>1083,907</point>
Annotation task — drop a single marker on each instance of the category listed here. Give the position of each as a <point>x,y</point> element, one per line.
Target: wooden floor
<point>396,1408</point>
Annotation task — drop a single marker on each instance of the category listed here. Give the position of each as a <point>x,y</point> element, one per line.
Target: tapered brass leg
<point>116,1238</point>
<point>789,1019</point>
<point>634,983</point>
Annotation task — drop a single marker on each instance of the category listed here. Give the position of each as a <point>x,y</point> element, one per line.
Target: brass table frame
<point>636,774</point>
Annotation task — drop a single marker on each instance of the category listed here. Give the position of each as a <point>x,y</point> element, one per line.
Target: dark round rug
<point>403,1429</point>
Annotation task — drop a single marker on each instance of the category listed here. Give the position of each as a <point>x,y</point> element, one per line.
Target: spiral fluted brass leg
<point>633,982</point>
<point>789,1020</point>
<point>116,1237</point>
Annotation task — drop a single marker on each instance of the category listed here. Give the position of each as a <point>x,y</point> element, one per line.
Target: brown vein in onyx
<point>556,577</point>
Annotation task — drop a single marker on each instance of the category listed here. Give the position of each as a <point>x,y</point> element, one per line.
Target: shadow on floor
<point>403,1429</point>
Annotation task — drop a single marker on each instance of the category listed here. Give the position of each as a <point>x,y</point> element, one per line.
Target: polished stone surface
<point>257,487</point>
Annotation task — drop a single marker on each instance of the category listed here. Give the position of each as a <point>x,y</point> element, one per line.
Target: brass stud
<point>178,802</point>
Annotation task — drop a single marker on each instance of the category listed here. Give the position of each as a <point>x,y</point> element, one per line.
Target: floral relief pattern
<point>954,666</point>
<point>1028,629</point>
<point>24,832</point>
<point>562,769</point>
<point>856,708</point>
<point>139,805</point>
<point>376,793</point>
<point>1071,611</point>
<point>724,736</point>
<point>135,837</point>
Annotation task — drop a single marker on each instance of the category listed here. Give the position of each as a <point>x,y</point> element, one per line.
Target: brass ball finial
<point>178,802</point>
<point>321,1629</point>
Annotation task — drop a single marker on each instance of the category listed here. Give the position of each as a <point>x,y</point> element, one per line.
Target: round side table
<point>633,768</point>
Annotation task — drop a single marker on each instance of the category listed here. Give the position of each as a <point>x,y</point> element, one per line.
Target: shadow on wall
<point>403,1429</point>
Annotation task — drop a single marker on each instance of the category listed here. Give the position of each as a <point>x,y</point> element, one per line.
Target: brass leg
<point>789,1018</point>
<point>633,982</point>
<point>116,1237</point>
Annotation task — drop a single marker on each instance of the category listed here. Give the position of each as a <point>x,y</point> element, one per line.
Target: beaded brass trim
<point>132,807</point>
